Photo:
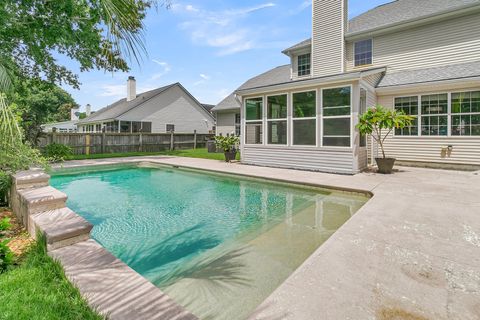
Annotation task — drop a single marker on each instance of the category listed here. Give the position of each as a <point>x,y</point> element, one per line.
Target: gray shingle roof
<point>122,106</point>
<point>451,72</point>
<point>395,12</point>
<point>276,75</point>
<point>227,104</point>
<point>402,11</point>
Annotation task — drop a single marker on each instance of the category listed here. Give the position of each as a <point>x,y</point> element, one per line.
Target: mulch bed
<point>20,240</point>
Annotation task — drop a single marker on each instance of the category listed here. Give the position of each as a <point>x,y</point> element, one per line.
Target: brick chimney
<point>329,25</point>
<point>131,88</point>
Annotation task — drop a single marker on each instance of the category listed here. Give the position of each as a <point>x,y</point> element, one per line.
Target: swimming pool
<point>216,244</point>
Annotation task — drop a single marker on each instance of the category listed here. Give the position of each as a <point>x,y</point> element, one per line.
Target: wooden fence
<point>94,143</point>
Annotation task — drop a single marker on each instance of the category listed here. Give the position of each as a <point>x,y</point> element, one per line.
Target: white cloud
<point>165,69</point>
<point>304,5</point>
<point>117,90</point>
<point>221,29</point>
<point>204,76</point>
<point>204,79</point>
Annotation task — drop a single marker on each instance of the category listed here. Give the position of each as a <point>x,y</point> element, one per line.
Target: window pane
<point>466,125</point>
<point>277,107</point>
<point>336,141</point>
<point>304,132</point>
<point>304,104</point>
<point>253,133</point>
<point>336,127</point>
<point>253,108</point>
<point>409,105</point>
<point>434,126</point>
<point>277,132</point>
<point>435,104</point>
<point>336,102</point>
<point>363,52</point>
<point>303,64</point>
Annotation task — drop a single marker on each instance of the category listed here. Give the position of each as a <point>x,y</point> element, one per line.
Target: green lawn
<point>191,153</point>
<point>38,289</point>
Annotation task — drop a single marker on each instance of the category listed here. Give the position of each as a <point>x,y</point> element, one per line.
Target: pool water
<point>218,245</point>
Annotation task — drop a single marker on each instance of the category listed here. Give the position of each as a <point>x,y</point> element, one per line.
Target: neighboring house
<point>228,116</point>
<point>66,126</point>
<point>161,110</point>
<point>422,57</point>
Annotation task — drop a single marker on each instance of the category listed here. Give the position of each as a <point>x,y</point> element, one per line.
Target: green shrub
<point>56,152</point>
<point>6,255</point>
<point>227,143</point>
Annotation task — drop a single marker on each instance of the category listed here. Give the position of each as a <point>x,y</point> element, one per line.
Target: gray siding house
<point>227,113</point>
<point>422,57</point>
<point>161,110</point>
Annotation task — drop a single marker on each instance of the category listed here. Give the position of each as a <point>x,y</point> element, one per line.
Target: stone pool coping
<point>412,251</point>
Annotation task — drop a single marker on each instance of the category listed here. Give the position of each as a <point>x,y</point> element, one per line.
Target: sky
<point>211,47</point>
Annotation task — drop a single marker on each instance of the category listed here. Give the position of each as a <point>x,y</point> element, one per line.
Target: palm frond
<point>5,79</point>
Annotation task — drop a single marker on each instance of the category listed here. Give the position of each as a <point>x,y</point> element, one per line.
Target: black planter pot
<point>230,155</point>
<point>385,165</point>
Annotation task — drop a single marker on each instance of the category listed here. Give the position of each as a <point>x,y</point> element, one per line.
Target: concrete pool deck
<point>412,252</point>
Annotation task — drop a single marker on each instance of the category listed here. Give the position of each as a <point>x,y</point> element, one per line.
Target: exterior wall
<point>442,43</point>
<point>466,150</point>
<point>173,106</point>
<point>317,158</point>
<point>60,127</point>
<point>328,45</point>
<point>226,122</point>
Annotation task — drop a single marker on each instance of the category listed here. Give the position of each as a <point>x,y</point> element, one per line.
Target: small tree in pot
<point>228,145</point>
<point>379,123</point>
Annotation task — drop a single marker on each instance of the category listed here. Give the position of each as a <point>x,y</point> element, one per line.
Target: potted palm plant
<point>228,145</point>
<point>379,123</point>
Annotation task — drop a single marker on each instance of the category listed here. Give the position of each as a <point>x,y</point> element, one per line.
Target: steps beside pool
<point>42,208</point>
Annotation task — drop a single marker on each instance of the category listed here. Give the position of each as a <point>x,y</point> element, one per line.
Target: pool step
<point>30,179</point>
<point>61,227</point>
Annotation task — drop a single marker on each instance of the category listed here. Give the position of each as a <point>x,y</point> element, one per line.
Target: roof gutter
<point>406,24</point>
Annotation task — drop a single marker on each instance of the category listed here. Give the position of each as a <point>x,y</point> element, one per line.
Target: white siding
<point>466,150</point>
<point>328,45</point>
<point>448,42</point>
<point>173,106</point>
<point>326,160</point>
<point>226,122</point>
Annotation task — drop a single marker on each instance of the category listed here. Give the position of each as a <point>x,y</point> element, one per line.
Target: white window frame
<point>338,117</point>
<point>298,65</point>
<point>449,114</point>
<point>276,119</point>
<point>354,54</point>
<point>419,102</point>
<point>262,120</point>
<point>292,119</point>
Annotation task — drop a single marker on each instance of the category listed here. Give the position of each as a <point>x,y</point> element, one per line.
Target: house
<point>67,126</point>
<point>422,57</point>
<point>169,108</point>
<point>227,113</point>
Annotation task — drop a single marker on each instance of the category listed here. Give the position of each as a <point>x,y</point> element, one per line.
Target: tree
<point>38,102</point>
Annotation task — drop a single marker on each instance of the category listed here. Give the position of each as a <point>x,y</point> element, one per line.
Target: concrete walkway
<point>412,252</point>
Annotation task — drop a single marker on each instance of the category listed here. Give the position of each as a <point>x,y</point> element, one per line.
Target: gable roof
<point>450,72</point>
<point>274,76</point>
<point>207,106</point>
<point>123,106</point>
<point>395,12</point>
<point>229,103</point>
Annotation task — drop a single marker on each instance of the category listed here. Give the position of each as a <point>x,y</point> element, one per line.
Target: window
<point>170,127</point>
<point>303,64</point>
<point>125,126</point>
<point>363,52</point>
<point>254,121</point>
<point>434,115</point>
<point>466,113</point>
<point>237,124</point>
<point>409,105</point>
<point>337,117</point>
<point>304,118</point>
<point>277,119</point>
<point>147,127</point>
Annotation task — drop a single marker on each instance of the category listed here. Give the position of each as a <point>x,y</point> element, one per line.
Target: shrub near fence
<point>95,143</point>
